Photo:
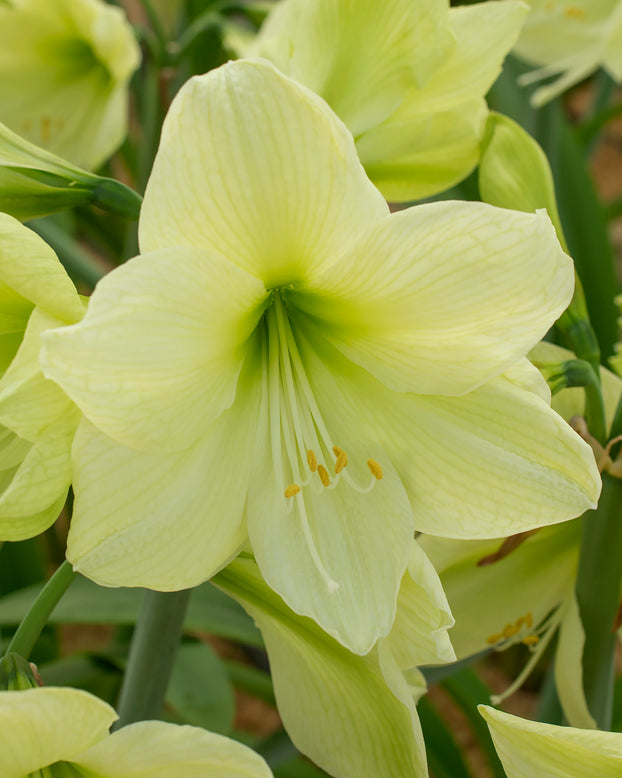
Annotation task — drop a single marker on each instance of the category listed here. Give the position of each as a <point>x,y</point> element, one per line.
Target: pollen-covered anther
<point>492,639</point>
<point>292,490</point>
<point>510,630</point>
<point>530,640</point>
<point>312,461</point>
<point>323,473</point>
<point>375,468</point>
<point>342,459</point>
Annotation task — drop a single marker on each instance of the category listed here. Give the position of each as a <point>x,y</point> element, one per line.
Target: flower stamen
<point>375,468</point>
<point>324,477</point>
<point>292,490</point>
<point>311,461</point>
<point>342,459</point>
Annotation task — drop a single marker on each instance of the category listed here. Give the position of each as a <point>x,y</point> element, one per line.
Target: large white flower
<point>290,362</point>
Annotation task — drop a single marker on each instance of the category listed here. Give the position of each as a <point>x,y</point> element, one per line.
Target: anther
<point>530,640</point>
<point>323,473</point>
<point>375,468</point>
<point>492,639</point>
<point>342,459</point>
<point>510,630</point>
<point>529,620</point>
<point>292,490</point>
<point>311,461</point>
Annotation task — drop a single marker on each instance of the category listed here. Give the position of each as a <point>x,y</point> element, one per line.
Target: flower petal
<point>358,716</point>
<point>41,726</point>
<point>34,492</point>
<point>432,140</point>
<point>440,298</point>
<point>163,521</point>
<point>412,157</point>
<point>157,356</point>
<point>491,463</point>
<point>419,634</point>
<point>533,579</point>
<point>335,554</point>
<point>29,402</point>
<point>38,276</point>
<point>160,750</point>
<point>362,56</point>
<point>274,193</point>
<point>528,748</point>
<point>569,667</point>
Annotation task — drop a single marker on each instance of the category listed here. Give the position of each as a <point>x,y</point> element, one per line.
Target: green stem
<point>598,595</point>
<point>152,655</point>
<point>35,620</point>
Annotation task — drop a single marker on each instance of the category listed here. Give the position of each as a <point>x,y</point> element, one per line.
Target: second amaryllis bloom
<point>289,363</point>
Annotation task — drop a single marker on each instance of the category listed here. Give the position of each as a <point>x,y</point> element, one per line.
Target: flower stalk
<point>152,655</point>
<point>598,589</point>
<point>35,620</point>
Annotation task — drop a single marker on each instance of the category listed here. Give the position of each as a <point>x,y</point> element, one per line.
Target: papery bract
<point>408,78</point>
<point>359,715</point>
<point>289,360</point>
<point>37,420</point>
<point>570,39</point>
<point>64,72</point>
<point>65,733</point>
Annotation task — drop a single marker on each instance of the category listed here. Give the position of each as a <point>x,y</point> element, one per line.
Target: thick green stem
<point>598,595</point>
<point>35,620</point>
<point>152,654</point>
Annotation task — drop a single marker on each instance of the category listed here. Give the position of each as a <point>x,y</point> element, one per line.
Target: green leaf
<point>444,755</point>
<point>210,609</point>
<point>468,691</point>
<point>199,691</point>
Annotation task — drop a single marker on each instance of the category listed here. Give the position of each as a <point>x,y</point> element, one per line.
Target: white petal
<point>439,298</point>
<point>157,356</point>
<point>258,168</point>
<point>159,750</point>
<point>41,726</point>
<point>163,521</point>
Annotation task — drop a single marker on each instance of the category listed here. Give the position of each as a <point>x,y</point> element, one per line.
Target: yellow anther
<point>311,461</point>
<point>342,459</point>
<point>572,12</point>
<point>528,620</point>
<point>323,473</point>
<point>292,490</point>
<point>375,468</point>
<point>492,639</point>
<point>530,640</point>
<point>510,630</point>
<point>521,621</point>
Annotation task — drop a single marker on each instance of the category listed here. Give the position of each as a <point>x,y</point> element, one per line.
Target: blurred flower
<point>64,732</point>
<point>570,39</point>
<point>291,363</point>
<point>64,72</point>
<point>408,77</point>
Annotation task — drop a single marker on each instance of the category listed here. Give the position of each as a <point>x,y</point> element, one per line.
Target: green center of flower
<point>304,453</point>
